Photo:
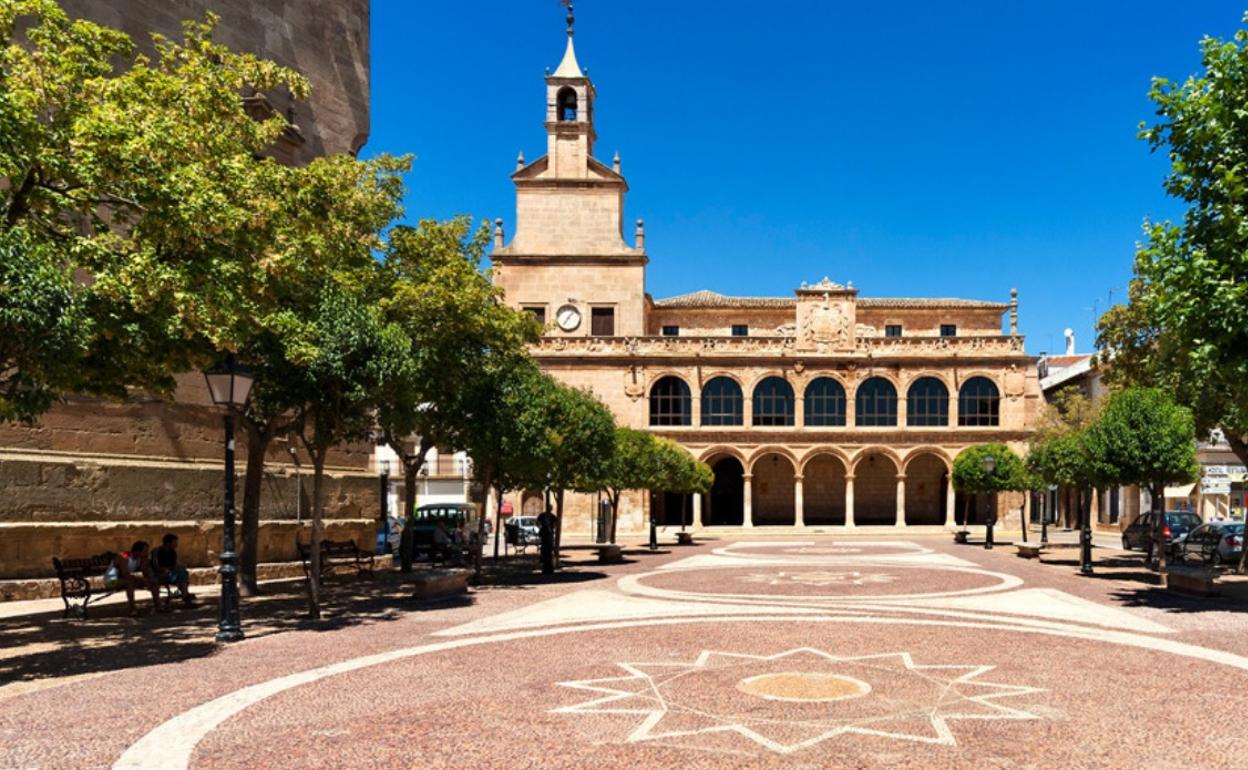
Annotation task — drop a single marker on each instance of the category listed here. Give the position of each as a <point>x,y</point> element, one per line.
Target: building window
<point>892,330</point>
<point>825,403</point>
<point>948,330</point>
<point>538,311</point>
<point>722,402</point>
<point>773,402</point>
<point>602,321</point>
<point>740,330</point>
<point>927,403</point>
<point>670,402</point>
<point>876,403</point>
<point>567,104</point>
<point>671,331</point>
<point>979,403</point>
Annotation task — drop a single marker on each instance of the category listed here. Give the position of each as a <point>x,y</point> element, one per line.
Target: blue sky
<point>915,148</point>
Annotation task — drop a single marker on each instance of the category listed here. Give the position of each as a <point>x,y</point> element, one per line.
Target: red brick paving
<point>497,704</point>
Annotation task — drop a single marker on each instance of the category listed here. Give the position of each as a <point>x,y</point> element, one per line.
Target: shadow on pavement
<point>42,646</point>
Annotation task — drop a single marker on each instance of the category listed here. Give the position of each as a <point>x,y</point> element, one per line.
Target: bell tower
<point>569,114</point>
<point>568,261</point>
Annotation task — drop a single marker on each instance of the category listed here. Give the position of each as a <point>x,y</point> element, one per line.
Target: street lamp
<point>229,384</point>
<point>383,468</point>
<point>990,465</point>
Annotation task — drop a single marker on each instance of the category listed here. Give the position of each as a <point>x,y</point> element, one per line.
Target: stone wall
<point>26,550</point>
<point>326,40</point>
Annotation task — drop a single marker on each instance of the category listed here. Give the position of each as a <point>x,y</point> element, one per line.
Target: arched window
<point>825,402</point>
<point>566,101</point>
<point>722,402</point>
<point>979,403</point>
<point>927,403</point>
<point>670,402</point>
<point>773,402</point>
<point>876,403</point>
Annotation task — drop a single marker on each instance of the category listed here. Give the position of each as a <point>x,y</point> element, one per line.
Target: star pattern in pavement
<point>819,578</point>
<point>799,698</point>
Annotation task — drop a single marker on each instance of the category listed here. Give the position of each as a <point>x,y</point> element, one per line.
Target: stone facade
<point>108,473</point>
<point>822,408</point>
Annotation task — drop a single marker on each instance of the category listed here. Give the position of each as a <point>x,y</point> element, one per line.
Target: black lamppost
<point>1085,535</point>
<point>1044,515</point>
<point>990,465</point>
<point>229,384</point>
<point>383,467</point>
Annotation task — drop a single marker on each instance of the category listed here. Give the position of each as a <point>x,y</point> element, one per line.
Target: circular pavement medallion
<point>804,686</point>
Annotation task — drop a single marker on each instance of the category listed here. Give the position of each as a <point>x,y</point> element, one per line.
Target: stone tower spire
<point>570,113</point>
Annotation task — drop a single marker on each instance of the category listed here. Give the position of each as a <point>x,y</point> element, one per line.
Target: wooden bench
<point>1190,580</point>
<point>1029,550</point>
<point>78,578</point>
<point>337,553</point>
<point>609,553</point>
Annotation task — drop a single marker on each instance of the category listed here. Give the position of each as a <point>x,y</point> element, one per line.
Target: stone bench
<point>1198,582</point>
<point>609,553</point>
<point>1029,550</point>
<point>684,538</point>
<point>438,583</point>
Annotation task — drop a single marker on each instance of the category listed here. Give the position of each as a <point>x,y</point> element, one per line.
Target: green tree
<point>571,435</point>
<point>141,175</point>
<point>1184,328</point>
<point>342,362</point>
<point>677,471</point>
<point>970,476</point>
<point>456,322</point>
<point>1144,438</point>
<point>1058,452</point>
<point>632,466</point>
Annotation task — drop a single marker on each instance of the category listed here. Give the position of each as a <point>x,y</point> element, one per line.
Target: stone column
<point>747,507</point>
<point>902,409</point>
<point>799,517</point>
<point>951,504</point>
<point>953,409</point>
<point>901,501</point>
<point>697,511</point>
<point>851,410</point>
<point>696,407</point>
<point>799,412</point>
<point>849,500</point>
<point>747,409</point>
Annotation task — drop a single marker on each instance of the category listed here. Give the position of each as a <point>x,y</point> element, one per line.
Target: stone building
<point>95,475</point>
<point>824,408</point>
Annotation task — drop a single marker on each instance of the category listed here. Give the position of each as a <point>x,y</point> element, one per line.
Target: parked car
<point>1139,534</point>
<point>1214,544</point>
<point>522,529</point>
<point>417,537</point>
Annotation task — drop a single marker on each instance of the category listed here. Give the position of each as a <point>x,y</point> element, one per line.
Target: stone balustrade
<point>712,347</point>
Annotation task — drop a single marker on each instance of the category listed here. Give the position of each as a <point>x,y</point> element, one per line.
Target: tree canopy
<point>1008,472</point>
<point>1184,328</point>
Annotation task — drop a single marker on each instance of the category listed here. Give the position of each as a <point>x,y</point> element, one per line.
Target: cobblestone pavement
<point>821,652</point>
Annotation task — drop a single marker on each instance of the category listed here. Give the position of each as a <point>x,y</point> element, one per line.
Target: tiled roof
<point>710,299</point>
<point>706,298</point>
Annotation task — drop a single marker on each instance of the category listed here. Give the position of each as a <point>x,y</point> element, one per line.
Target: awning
<point>1182,492</point>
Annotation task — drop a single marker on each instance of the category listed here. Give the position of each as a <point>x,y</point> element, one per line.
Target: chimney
<point>1070,341</point>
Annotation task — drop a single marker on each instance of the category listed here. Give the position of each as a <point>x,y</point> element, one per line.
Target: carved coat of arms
<point>827,324</point>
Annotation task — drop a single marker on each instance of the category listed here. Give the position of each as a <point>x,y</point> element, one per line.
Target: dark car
<point>1214,544</point>
<point>1176,526</point>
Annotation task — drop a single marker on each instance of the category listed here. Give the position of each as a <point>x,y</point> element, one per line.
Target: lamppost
<point>1085,535</point>
<point>383,467</point>
<point>229,384</point>
<point>990,465</point>
<point>1044,515</point>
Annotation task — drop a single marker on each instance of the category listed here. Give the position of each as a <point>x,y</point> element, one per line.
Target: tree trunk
<point>487,481</point>
<point>258,440</point>
<point>1022,514</point>
<point>558,523</point>
<point>498,518</point>
<point>615,512</point>
<point>1240,447</point>
<point>318,516</point>
<point>1159,526</point>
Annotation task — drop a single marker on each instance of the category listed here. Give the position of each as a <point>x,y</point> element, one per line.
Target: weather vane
<point>571,15</point>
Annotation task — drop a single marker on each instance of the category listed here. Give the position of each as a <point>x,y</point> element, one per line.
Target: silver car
<point>1214,544</point>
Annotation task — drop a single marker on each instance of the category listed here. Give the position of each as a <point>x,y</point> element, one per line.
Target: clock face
<point>568,318</point>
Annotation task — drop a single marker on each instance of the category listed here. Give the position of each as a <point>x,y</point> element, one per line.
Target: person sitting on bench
<point>168,573</point>
<point>130,570</point>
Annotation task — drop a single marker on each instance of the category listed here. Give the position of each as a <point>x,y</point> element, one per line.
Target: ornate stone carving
<point>633,387</point>
<point>827,325</point>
